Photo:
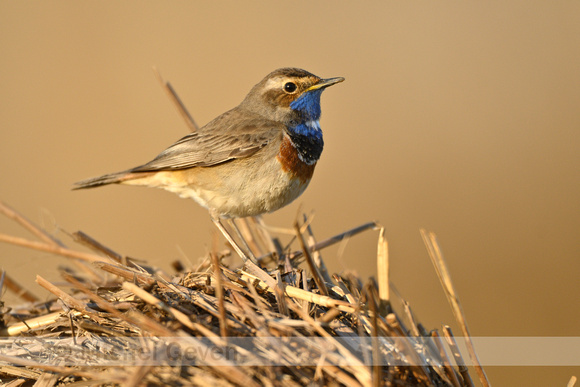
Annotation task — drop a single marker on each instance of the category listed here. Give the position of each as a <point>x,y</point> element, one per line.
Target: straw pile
<point>271,324</point>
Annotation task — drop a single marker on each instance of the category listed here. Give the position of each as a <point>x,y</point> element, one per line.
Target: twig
<point>172,94</point>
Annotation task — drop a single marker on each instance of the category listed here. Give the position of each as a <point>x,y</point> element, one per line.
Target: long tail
<point>111,178</point>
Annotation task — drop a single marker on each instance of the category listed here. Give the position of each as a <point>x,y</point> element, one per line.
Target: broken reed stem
<point>369,292</point>
<point>219,289</point>
<point>316,253</point>
<point>91,243</point>
<point>449,371</point>
<point>411,318</point>
<point>70,301</point>
<point>301,294</point>
<point>452,344</point>
<point>313,269</point>
<point>136,378</point>
<point>420,370</point>
<point>56,369</point>
<point>336,239</point>
<point>33,323</point>
<point>358,368</point>
<point>174,98</point>
<point>132,317</point>
<point>150,299</point>
<point>125,272</point>
<point>264,235</point>
<point>436,256</point>
<point>247,234</point>
<point>383,266</point>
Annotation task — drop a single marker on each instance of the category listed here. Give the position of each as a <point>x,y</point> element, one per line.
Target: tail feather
<point>110,178</point>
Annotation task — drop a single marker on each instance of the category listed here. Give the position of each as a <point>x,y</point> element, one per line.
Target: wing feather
<point>230,136</point>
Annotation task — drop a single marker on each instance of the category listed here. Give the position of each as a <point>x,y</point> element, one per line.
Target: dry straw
<point>108,301</point>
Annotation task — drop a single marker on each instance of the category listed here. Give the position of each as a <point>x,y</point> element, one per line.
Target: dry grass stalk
<point>50,248</point>
<point>316,256</point>
<point>32,324</point>
<point>449,371</point>
<point>463,370</point>
<point>219,289</point>
<point>88,241</point>
<point>436,256</point>
<point>28,225</point>
<point>336,239</point>
<point>125,307</point>
<point>383,266</point>
<point>174,98</point>
<point>310,261</point>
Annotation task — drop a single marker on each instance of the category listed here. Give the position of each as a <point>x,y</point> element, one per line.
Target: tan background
<point>458,117</point>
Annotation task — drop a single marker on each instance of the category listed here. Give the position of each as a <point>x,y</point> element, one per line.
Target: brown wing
<point>231,136</point>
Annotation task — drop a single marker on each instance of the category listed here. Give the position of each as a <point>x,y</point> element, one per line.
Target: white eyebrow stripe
<point>275,83</point>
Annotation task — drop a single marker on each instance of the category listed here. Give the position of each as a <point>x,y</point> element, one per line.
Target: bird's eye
<point>290,87</point>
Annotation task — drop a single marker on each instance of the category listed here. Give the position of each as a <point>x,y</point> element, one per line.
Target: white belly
<point>241,189</point>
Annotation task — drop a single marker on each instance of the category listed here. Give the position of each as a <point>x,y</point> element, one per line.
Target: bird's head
<point>288,95</point>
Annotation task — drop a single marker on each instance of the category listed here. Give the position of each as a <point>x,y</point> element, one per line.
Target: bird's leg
<point>245,243</point>
<point>218,223</point>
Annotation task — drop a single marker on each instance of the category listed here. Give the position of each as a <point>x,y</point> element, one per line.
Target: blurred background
<point>460,118</point>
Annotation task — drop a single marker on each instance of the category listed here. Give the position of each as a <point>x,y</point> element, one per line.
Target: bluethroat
<point>252,159</point>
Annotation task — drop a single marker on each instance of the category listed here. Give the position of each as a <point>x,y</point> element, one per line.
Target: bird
<point>253,159</point>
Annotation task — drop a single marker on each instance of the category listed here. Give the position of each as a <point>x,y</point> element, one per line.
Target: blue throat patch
<point>306,136</point>
<point>308,104</point>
